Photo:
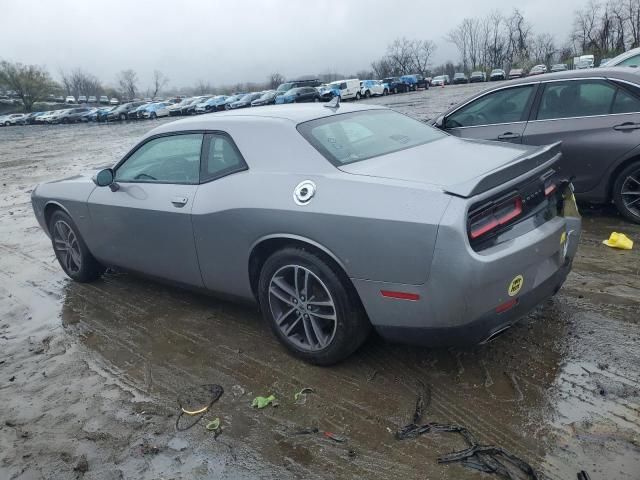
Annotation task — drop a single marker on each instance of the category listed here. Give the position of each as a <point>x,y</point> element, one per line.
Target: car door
<point>144,223</point>
<point>596,120</point>
<point>498,115</point>
<point>219,231</point>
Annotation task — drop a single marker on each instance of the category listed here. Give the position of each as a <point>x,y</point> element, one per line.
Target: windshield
<point>357,136</point>
<point>284,87</point>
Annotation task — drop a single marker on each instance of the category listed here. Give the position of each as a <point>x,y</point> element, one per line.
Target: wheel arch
<point>266,246</point>
<point>50,208</point>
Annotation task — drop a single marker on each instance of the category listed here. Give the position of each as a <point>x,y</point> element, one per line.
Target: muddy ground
<point>89,374</point>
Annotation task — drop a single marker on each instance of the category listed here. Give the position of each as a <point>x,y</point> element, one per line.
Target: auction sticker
<point>515,286</point>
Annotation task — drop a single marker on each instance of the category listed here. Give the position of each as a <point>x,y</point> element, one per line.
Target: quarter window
<point>170,159</point>
<point>576,99</point>
<point>221,158</point>
<point>625,102</point>
<point>504,106</point>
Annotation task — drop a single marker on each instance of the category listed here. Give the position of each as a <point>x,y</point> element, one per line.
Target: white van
<point>348,88</point>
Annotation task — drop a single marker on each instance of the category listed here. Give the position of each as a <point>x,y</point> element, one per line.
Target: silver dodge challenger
<point>334,218</point>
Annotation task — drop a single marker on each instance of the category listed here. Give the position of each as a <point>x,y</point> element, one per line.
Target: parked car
<point>538,70</point>
<point>176,108</point>
<point>356,170</point>
<point>55,116</point>
<point>413,82</point>
<point>604,61</point>
<point>395,85</point>
<point>88,115</point>
<point>349,89</point>
<point>497,74</point>
<point>559,67</point>
<point>370,88</point>
<point>212,105</point>
<point>460,77</point>
<point>122,112</point>
<point>72,115</point>
<point>92,99</point>
<point>285,87</point>
<point>596,116</point>
<point>13,119</point>
<point>328,92</point>
<point>299,95</point>
<point>114,101</point>
<point>70,99</point>
<point>104,99</point>
<point>477,76</point>
<point>82,99</point>
<point>46,116</point>
<point>586,61</point>
<point>267,98</point>
<point>190,108</point>
<point>245,100</point>
<point>29,118</point>
<point>59,99</point>
<point>440,81</point>
<point>100,114</point>
<point>136,113</point>
<point>155,110</point>
<point>232,99</point>
<point>516,73</point>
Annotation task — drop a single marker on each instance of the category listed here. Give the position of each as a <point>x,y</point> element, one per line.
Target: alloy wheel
<point>67,247</point>
<point>630,192</point>
<point>302,307</point>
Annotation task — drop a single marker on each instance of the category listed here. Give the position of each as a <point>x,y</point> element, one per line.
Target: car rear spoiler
<point>540,159</point>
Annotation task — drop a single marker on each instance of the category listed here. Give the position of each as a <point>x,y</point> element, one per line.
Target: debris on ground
<point>82,466</point>
<point>195,402</point>
<point>147,449</point>
<point>213,424</point>
<point>302,392</point>
<point>306,431</point>
<point>335,437</point>
<point>619,240</point>
<point>237,391</point>
<point>485,458</point>
<point>261,402</point>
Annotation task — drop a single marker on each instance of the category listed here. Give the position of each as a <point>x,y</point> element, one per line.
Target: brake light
<point>494,217</point>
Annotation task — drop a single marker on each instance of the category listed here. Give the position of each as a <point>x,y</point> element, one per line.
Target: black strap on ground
<point>485,458</point>
<point>195,402</point>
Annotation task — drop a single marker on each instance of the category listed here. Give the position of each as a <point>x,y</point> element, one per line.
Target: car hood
<point>457,166</point>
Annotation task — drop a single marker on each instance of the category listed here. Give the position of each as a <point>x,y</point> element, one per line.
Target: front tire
<point>71,251</point>
<point>626,192</point>
<point>358,96</point>
<point>123,117</point>
<point>311,307</point>
<point>367,94</point>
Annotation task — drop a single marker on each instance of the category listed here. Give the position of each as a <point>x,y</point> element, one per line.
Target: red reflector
<point>506,306</point>
<point>400,295</point>
<point>549,189</point>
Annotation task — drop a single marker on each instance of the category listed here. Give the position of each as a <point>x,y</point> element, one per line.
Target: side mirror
<point>104,178</point>
<point>439,123</point>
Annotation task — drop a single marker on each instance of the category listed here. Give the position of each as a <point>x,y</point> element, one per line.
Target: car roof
<point>295,113</point>
<point>623,73</point>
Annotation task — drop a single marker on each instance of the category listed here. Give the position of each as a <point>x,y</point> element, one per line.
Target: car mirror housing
<point>104,178</point>
<point>439,122</point>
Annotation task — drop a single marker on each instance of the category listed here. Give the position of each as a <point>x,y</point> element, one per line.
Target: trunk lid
<point>458,166</point>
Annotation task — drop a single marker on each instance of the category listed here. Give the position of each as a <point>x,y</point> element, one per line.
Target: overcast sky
<point>223,42</point>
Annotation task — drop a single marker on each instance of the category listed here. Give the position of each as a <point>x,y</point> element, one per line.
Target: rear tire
<point>626,192</point>
<point>367,94</point>
<point>71,251</point>
<point>323,332</point>
<point>123,117</point>
<point>358,96</point>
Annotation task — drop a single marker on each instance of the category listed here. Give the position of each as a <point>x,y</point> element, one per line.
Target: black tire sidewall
<point>90,268</point>
<point>617,189</point>
<point>352,326</point>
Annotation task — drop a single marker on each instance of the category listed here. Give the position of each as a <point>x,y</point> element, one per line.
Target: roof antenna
<point>333,103</point>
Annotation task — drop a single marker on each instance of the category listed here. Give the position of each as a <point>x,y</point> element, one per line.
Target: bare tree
<point>128,83</point>
<point>382,68</point>
<point>78,82</point>
<point>275,80</point>
<point>30,82</point>
<point>203,87</point>
<point>400,55</point>
<point>543,49</point>
<point>160,81</point>
<point>421,53</point>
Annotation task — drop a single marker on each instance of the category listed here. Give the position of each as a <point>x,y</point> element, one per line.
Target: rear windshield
<point>353,137</point>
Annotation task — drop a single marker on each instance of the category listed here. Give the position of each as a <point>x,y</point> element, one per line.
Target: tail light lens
<point>494,217</point>
<point>549,188</point>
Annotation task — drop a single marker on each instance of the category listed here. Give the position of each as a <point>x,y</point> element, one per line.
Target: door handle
<point>179,201</point>
<point>508,136</point>
<point>627,126</point>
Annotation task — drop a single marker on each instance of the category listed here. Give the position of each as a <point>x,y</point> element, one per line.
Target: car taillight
<point>493,217</point>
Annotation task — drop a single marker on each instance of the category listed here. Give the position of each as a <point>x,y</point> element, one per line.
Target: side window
<point>221,158</point>
<point>625,102</point>
<point>630,62</point>
<point>576,99</point>
<point>171,159</point>
<point>504,106</point>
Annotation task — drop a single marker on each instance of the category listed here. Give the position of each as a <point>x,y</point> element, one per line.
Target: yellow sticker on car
<point>515,286</point>
<point>563,238</point>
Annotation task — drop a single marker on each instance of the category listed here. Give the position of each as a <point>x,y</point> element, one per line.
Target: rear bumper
<point>468,296</point>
